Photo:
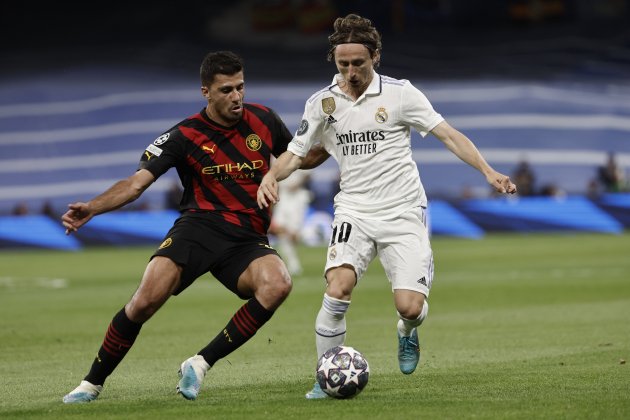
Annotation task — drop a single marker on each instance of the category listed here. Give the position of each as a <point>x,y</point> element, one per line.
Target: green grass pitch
<point>520,327</point>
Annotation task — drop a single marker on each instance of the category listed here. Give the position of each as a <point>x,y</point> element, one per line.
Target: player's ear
<point>205,92</point>
<point>376,59</point>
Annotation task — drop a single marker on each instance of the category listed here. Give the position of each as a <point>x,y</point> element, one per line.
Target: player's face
<point>225,98</point>
<point>356,66</point>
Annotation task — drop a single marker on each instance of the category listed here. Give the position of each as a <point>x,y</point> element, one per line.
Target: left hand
<point>267,191</point>
<point>501,183</point>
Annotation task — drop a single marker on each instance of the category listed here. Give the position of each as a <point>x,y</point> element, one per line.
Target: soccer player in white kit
<point>364,121</point>
<point>288,218</point>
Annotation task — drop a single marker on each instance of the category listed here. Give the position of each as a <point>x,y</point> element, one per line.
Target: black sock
<point>243,325</point>
<point>121,334</point>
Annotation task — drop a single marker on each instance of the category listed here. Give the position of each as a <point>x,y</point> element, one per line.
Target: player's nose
<point>236,96</point>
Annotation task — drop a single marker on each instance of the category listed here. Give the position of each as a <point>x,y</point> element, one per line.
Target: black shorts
<point>204,242</point>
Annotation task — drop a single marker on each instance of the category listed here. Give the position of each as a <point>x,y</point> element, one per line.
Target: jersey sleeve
<point>164,153</point>
<point>417,111</point>
<point>282,135</point>
<point>309,132</point>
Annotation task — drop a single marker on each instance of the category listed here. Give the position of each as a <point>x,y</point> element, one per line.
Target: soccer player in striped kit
<point>364,120</point>
<point>220,154</point>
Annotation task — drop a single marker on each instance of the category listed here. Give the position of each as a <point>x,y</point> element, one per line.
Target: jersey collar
<point>208,120</point>
<point>374,88</point>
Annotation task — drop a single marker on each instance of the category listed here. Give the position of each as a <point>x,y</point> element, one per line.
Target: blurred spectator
<point>524,179</point>
<point>468,193</point>
<point>315,16</point>
<point>317,228</point>
<point>271,15</point>
<point>307,16</point>
<point>323,192</point>
<point>552,190</point>
<point>20,209</point>
<point>48,210</point>
<point>288,217</point>
<point>611,176</point>
<point>593,189</point>
<point>538,10</point>
<point>174,196</point>
<point>473,192</point>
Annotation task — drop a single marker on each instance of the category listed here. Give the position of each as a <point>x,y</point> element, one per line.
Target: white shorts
<point>402,245</point>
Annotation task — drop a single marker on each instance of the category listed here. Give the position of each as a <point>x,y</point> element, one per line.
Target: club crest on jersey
<point>253,142</point>
<point>328,105</point>
<point>381,115</point>
<point>162,139</point>
<point>333,254</point>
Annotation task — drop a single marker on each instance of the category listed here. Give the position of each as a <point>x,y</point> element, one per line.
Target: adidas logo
<point>423,281</point>
<point>331,119</point>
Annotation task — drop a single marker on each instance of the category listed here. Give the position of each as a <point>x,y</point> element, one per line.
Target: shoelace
<point>408,347</point>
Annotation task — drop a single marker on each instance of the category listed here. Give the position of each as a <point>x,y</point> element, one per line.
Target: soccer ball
<point>342,372</point>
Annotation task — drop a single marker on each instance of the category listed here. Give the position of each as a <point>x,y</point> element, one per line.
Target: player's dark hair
<point>219,62</point>
<point>354,29</point>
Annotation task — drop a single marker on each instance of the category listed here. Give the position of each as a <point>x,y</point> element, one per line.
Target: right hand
<point>77,215</point>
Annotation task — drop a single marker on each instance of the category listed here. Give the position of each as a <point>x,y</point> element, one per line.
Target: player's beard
<point>233,114</point>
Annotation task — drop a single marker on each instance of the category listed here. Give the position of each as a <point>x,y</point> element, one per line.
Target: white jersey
<point>371,141</point>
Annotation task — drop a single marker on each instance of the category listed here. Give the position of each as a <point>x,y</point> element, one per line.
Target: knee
<point>340,283</point>
<point>274,290</point>
<point>410,310</point>
<point>281,286</point>
<point>160,279</point>
<point>140,309</point>
<point>339,290</point>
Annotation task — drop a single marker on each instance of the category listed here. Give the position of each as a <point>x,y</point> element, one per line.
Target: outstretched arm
<point>123,192</point>
<point>284,166</point>
<point>465,149</point>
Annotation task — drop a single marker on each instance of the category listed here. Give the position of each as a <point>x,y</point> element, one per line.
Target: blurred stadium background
<point>84,89</point>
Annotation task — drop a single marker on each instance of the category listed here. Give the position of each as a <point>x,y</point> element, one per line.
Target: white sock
<point>330,325</point>
<point>200,364</point>
<point>89,387</point>
<point>406,326</point>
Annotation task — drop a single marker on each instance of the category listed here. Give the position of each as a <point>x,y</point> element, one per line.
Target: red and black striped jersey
<point>221,167</point>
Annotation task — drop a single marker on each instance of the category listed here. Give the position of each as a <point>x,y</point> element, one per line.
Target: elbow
<point>136,192</point>
<point>313,160</point>
<point>306,164</point>
<point>137,185</point>
<point>137,189</point>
